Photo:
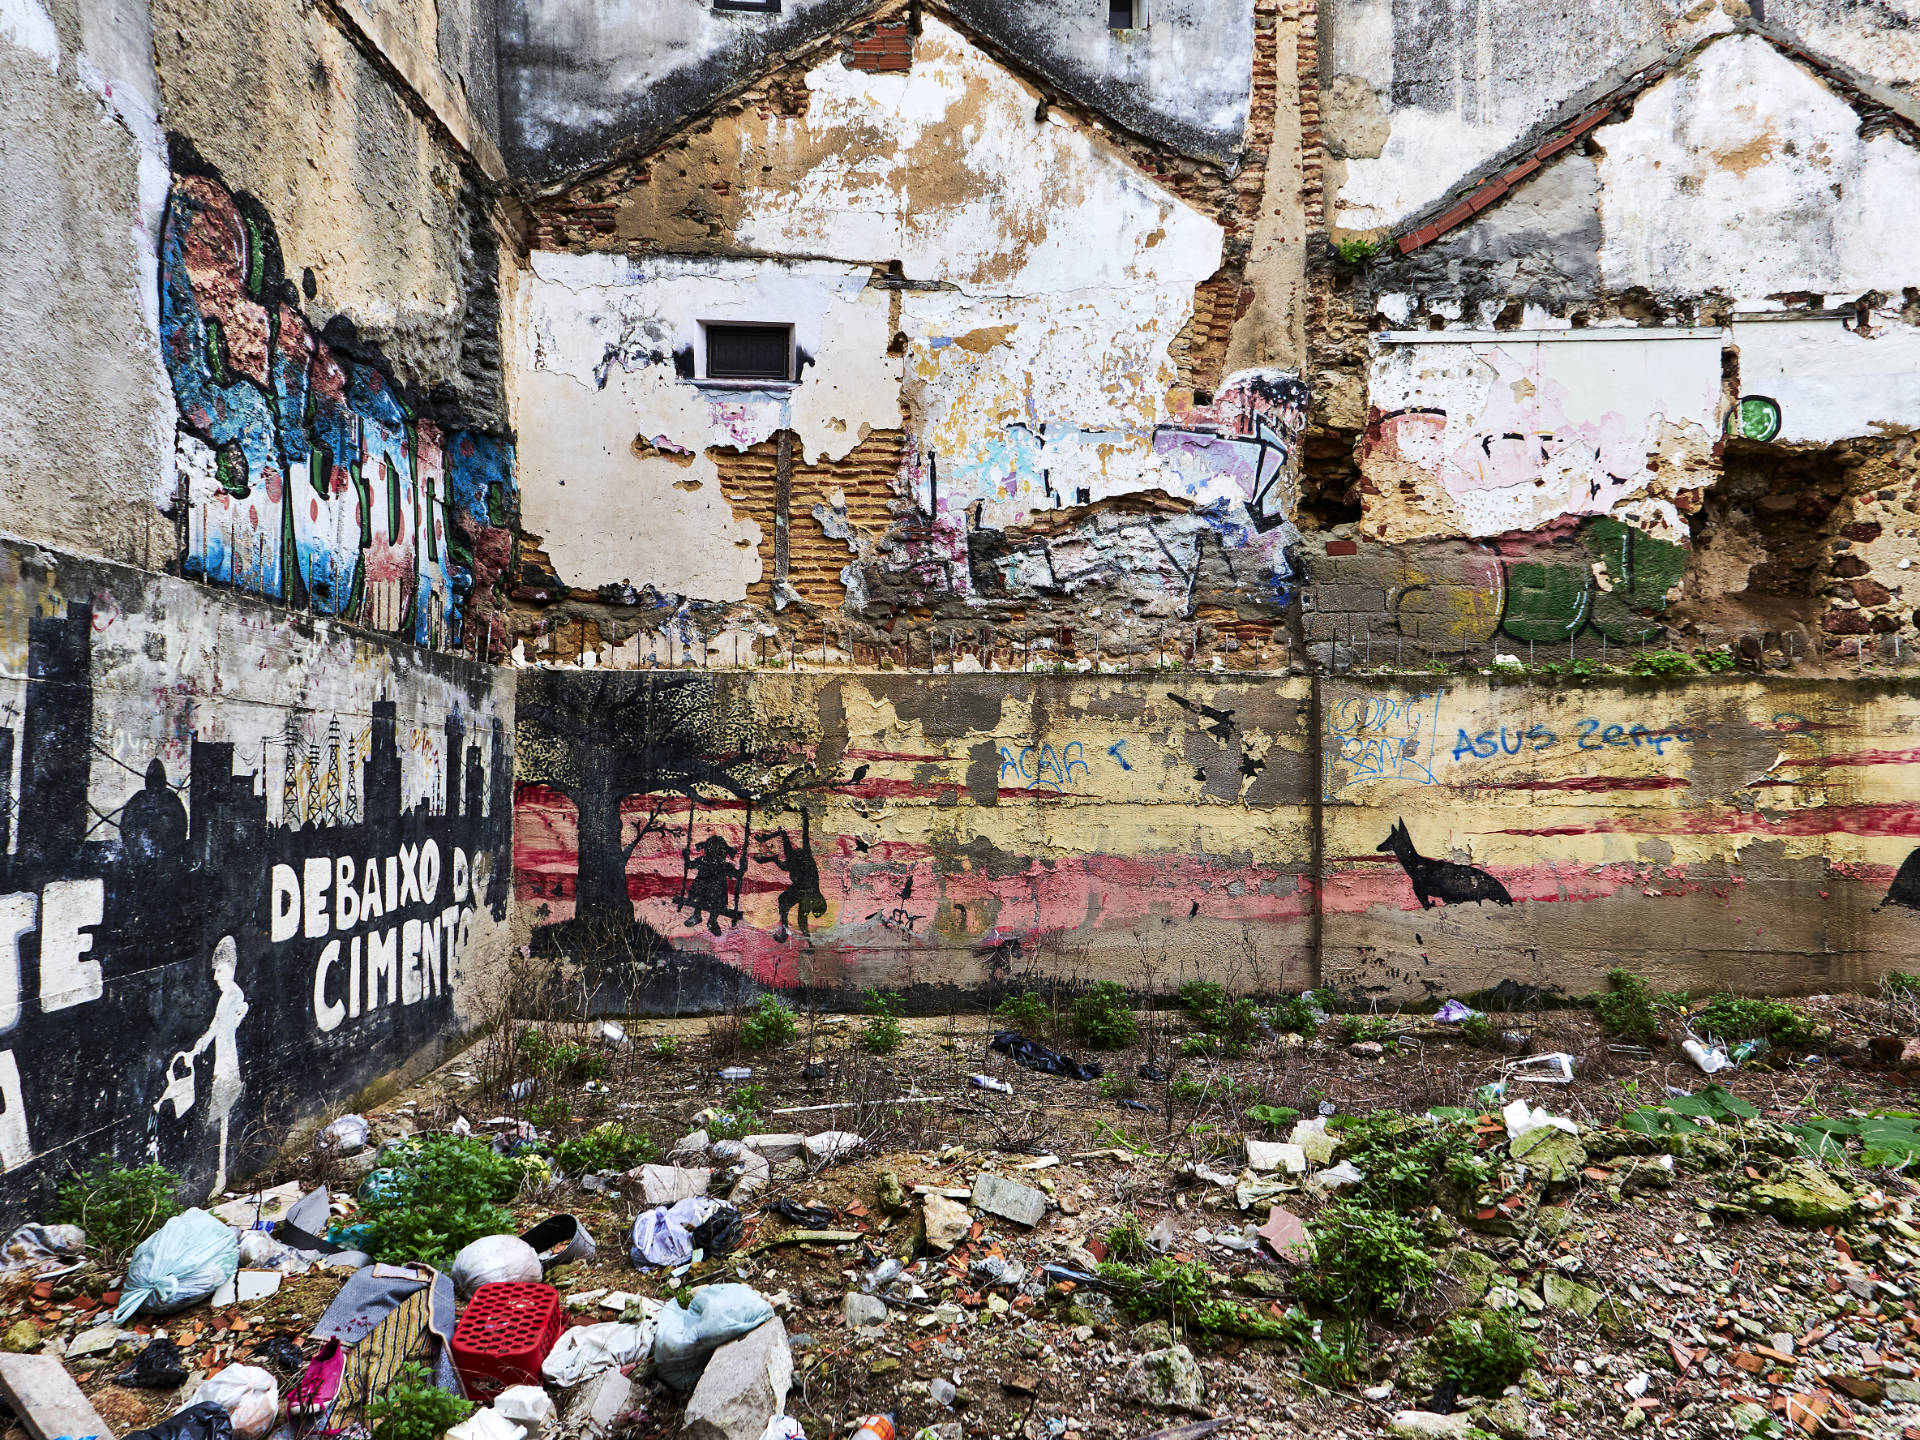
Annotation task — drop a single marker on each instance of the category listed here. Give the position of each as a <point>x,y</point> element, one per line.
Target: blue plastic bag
<point>684,1340</point>
<point>185,1260</point>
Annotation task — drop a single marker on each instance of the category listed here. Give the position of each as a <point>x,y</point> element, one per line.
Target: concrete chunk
<point>947,1221</point>
<point>744,1386</point>
<point>595,1403</point>
<point>1021,1204</point>
<point>777,1149</point>
<point>1264,1156</point>
<point>666,1184</point>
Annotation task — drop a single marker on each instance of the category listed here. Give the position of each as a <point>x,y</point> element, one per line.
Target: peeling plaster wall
<point>86,429</point>
<point>675,832</point>
<point>1026,285</point>
<point>1480,434</point>
<point>1745,173</point>
<point>1423,91</point>
<point>585,80</point>
<point>1180,78</point>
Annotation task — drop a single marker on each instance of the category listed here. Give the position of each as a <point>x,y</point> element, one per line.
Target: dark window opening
<point>749,352</point>
<point>764,7</point>
<point>1120,14</point>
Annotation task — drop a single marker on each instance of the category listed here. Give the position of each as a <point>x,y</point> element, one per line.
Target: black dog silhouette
<point>1441,879</point>
<point>1905,889</point>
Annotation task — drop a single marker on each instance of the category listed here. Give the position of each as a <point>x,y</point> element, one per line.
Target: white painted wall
<point>1831,382</point>
<point>1746,175</point>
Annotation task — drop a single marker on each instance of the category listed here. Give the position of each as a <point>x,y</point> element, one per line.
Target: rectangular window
<point>749,352</point>
<point>1120,14</point>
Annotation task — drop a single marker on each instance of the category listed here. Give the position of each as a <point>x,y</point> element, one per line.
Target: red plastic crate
<point>503,1335</point>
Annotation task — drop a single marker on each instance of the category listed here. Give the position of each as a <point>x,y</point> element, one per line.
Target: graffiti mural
<point>676,832</point>
<point>304,474</point>
<point>227,880</point>
<point>1442,880</point>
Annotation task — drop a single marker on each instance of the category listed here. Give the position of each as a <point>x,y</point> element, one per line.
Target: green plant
<point>1198,1047</point>
<point>1715,662</point>
<point>1479,1030</point>
<point>1676,1115</point>
<point>1127,1242</point>
<point>117,1207</point>
<point>1202,997</point>
<point>1409,1161</point>
<point>1889,1139</point>
<point>768,1024</point>
<point>666,1047</point>
<point>1118,1087</point>
<point>1356,252</point>
<point>1357,1028</point>
<point>741,1118</point>
<point>1026,1012</point>
<point>1293,1014</point>
<point>1483,1354</point>
<point>1365,1260</point>
<point>1190,1089</point>
<point>545,1114</point>
<point>1627,1007</point>
<point>1732,1017</point>
<point>436,1194</point>
<point>883,1033</point>
<point>412,1407</point>
<point>1274,1115</point>
<point>1900,985</point>
<point>565,1061</point>
<point>605,1147</point>
<point>1183,1291</point>
<point>1335,1353</point>
<point>1102,1017</point>
<point>1661,663</point>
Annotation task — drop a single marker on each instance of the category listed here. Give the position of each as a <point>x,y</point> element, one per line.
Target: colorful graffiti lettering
<point>304,476</point>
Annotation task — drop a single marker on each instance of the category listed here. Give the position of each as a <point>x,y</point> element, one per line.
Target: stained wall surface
<point>250,862</point>
<point>939,835</point>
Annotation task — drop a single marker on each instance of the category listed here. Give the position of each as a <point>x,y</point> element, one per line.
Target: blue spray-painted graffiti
<point>1042,768</point>
<point>1382,737</point>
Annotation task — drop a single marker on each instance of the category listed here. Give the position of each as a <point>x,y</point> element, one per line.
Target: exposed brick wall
<point>884,47</point>
<point>1306,16</point>
<point>865,480</point>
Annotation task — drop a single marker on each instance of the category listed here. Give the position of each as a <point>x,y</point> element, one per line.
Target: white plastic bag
<point>185,1260</point>
<point>684,1340</point>
<point>781,1428</point>
<point>586,1350</point>
<point>248,1394</point>
<point>491,1259</point>
<point>664,1234</point>
<point>486,1425</point>
<point>346,1136</point>
<point>525,1405</point>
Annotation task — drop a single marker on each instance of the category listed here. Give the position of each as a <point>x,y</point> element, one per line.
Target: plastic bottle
<point>987,1082</point>
<point>875,1427</point>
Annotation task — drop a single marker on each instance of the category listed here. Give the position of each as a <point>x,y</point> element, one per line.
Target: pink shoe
<point>315,1390</point>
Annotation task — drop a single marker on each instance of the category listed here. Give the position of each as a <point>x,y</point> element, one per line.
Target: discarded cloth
<point>486,1424</point>
<point>185,1260</point>
<point>1454,1012</point>
<point>1032,1055</point>
<point>586,1350</point>
<point>684,1340</point>
<point>359,1317</point>
<point>43,1250</point>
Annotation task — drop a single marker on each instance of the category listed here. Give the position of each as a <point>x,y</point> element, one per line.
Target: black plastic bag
<point>807,1217</point>
<point>1032,1055</point>
<point>205,1421</point>
<point>160,1366</point>
<point>286,1357</point>
<point>1154,1073</point>
<point>719,1232</point>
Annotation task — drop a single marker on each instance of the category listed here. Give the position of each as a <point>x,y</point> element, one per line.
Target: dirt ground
<point>1714,1319</point>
